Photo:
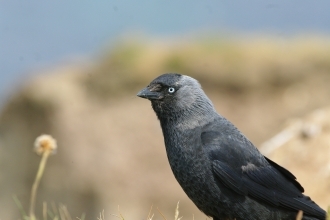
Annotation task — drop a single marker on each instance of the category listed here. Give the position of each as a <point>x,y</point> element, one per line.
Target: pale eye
<point>171,90</point>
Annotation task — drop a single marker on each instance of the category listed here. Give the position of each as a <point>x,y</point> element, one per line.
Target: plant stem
<point>35,185</point>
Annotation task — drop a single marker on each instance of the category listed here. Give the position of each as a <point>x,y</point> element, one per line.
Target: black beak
<point>147,94</point>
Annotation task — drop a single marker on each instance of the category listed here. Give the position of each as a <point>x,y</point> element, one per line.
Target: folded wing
<point>238,165</point>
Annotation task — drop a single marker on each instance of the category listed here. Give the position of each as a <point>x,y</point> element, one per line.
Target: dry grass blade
<point>20,207</point>
<point>116,216</point>
<point>120,216</point>
<point>64,214</point>
<point>148,217</point>
<point>82,217</point>
<point>44,210</point>
<point>161,213</point>
<point>54,210</point>
<point>176,215</point>
<point>299,215</point>
<point>101,215</point>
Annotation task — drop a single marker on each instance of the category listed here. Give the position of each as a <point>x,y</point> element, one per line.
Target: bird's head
<point>172,93</point>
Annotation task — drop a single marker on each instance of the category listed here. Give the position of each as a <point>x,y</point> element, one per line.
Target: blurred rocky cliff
<point>111,149</point>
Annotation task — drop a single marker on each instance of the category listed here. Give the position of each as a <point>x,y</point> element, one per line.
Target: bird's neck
<point>186,119</point>
<point>185,112</point>
<point>182,137</point>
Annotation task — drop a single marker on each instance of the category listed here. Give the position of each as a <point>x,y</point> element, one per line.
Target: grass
<point>45,145</point>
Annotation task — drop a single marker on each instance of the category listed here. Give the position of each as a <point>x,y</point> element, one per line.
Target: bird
<point>218,168</point>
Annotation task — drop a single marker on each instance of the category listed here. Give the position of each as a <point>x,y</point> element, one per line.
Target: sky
<point>40,33</point>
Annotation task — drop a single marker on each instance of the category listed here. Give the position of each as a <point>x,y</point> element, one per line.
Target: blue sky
<point>40,33</point>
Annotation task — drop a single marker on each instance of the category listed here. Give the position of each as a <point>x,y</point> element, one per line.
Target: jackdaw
<point>219,169</point>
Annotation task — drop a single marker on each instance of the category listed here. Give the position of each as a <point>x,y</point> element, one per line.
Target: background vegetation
<point>112,150</point>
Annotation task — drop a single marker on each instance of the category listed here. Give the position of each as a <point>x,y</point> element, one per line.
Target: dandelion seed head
<point>44,143</point>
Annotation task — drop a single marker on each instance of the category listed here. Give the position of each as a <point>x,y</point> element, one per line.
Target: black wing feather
<point>286,173</point>
<point>265,180</point>
<point>262,188</point>
<point>230,179</point>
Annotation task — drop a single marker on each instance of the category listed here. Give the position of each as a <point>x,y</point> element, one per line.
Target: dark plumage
<point>220,170</point>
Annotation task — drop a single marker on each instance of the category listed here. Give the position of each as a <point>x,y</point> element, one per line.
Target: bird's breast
<point>191,167</point>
